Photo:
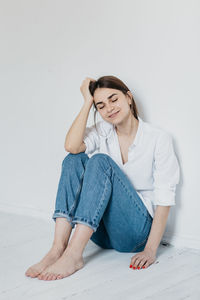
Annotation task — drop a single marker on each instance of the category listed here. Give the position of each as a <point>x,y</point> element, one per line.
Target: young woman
<point>120,196</point>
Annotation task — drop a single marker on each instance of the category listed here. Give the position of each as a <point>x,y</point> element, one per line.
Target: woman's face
<point>110,101</point>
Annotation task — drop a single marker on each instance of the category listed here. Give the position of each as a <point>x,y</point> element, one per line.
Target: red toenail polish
<point>134,268</point>
<point>130,266</point>
<point>143,267</point>
<point>138,268</point>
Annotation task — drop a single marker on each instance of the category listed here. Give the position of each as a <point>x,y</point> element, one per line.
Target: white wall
<point>49,47</point>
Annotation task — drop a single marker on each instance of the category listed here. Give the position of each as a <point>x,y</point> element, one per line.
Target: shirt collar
<point>138,133</point>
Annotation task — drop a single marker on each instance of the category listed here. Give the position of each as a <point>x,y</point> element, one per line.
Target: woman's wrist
<point>151,249</point>
<point>87,104</point>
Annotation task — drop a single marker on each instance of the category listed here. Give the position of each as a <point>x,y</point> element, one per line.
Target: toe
<point>32,273</point>
<point>46,275</point>
<point>35,273</point>
<point>29,272</point>
<point>41,276</point>
<point>53,277</point>
<point>50,277</point>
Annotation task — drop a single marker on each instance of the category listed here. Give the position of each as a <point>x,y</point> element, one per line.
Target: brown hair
<point>111,82</point>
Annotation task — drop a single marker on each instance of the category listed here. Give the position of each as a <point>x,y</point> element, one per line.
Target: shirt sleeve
<point>166,171</point>
<point>91,139</point>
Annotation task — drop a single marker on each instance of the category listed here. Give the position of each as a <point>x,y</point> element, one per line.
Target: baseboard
<point>168,237</point>
<point>180,241</point>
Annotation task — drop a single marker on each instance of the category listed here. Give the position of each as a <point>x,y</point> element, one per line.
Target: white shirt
<point>152,165</point>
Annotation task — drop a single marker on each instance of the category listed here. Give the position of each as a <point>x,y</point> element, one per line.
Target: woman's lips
<point>113,115</point>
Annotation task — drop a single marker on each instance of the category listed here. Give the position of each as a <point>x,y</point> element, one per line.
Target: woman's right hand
<point>85,90</point>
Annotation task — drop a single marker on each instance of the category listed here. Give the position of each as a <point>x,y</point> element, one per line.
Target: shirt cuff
<point>164,197</point>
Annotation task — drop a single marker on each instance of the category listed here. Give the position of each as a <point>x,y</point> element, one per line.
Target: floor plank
<point>24,241</point>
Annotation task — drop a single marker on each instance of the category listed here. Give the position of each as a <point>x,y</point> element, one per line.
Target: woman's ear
<point>130,97</point>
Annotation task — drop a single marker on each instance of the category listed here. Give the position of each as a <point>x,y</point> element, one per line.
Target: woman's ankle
<point>59,246</point>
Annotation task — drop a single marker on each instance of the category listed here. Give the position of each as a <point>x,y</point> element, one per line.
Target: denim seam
<point>77,193</point>
<point>113,169</point>
<point>101,201</point>
<point>96,214</point>
<point>118,178</point>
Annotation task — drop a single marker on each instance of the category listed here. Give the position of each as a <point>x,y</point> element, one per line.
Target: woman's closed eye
<point>112,101</point>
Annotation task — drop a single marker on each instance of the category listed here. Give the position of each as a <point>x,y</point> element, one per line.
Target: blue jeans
<point>96,192</point>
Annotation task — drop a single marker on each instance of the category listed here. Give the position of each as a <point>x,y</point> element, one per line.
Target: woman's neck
<point>127,127</point>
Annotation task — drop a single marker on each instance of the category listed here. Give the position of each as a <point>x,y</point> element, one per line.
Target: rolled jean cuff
<point>85,222</point>
<point>62,214</point>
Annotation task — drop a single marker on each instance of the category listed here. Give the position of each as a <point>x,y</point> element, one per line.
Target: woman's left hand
<point>143,259</point>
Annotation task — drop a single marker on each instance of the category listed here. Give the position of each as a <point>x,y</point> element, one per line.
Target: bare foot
<point>54,254</point>
<point>66,265</point>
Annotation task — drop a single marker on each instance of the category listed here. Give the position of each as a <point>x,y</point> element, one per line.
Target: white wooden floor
<point>106,274</point>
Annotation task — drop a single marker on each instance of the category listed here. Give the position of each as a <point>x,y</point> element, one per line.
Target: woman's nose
<point>110,108</point>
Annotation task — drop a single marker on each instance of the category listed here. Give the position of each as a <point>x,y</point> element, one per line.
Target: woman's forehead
<point>104,94</point>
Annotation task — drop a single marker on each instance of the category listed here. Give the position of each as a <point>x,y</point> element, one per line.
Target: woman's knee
<point>72,158</point>
<point>100,161</point>
<point>99,158</point>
